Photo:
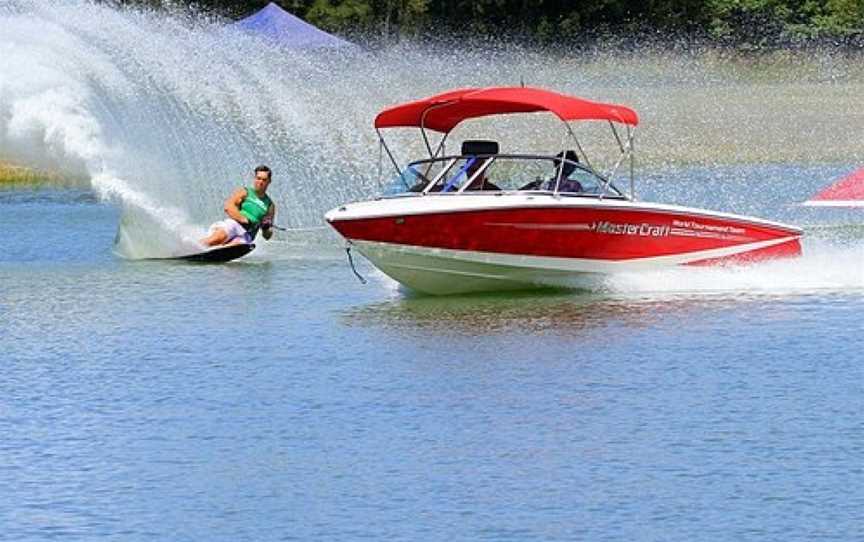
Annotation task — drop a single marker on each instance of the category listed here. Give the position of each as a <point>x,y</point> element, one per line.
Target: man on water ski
<point>249,209</point>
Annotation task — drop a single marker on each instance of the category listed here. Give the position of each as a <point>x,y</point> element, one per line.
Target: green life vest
<point>253,207</point>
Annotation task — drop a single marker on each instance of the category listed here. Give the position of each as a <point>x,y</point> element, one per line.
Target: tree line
<point>760,22</point>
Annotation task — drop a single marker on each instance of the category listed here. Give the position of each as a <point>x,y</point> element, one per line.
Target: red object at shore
<point>443,112</point>
<point>847,192</point>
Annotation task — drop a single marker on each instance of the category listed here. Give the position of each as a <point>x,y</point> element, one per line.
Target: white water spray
<point>164,115</point>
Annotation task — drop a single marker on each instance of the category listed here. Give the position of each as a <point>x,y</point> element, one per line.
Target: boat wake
<point>827,272</point>
<point>823,267</point>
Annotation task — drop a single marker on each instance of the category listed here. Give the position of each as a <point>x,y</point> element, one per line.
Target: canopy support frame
<point>626,152</point>
<point>392,158</point>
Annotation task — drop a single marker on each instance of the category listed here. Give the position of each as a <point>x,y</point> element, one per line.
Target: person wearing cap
<point>249,210</point>
<point>567,162</point>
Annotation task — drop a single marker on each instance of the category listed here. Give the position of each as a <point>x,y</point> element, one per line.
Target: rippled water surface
<point>278,398</point>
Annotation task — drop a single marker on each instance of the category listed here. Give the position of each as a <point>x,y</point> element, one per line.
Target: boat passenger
<point>480,182</point>
<point>249,209</point>
<point>568,166</point>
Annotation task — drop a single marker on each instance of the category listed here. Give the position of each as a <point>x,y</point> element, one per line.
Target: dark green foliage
<point>735,22</point>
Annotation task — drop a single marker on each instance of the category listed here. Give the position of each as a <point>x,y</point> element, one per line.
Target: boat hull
<point>450,245</point>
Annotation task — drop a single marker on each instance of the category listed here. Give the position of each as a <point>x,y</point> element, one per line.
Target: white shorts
<point>236,232</point>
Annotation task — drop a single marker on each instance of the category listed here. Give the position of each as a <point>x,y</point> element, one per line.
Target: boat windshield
<point>415,177</point>
<point>506,173</point>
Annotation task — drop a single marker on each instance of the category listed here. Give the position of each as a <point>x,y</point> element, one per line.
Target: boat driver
<point>567,184</point>
<point>249,209</point>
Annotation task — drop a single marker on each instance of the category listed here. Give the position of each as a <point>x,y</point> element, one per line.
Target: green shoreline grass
<point>10,174</point>
<point>15,175</point>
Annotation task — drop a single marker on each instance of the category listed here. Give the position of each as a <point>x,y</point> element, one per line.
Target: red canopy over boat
<point>443,112</point>
<point>847,192</point>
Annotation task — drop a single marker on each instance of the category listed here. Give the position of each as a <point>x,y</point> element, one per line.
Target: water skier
<point>249,210</point>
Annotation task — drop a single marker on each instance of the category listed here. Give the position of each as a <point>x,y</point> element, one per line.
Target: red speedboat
<point>483,220</point>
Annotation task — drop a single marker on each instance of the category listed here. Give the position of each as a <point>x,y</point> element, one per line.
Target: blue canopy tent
<point>278,25</point>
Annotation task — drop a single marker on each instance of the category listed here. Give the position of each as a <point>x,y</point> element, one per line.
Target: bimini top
<point>443,112</point>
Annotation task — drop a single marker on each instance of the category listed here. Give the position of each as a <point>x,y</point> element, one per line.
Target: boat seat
<point>474,147</point>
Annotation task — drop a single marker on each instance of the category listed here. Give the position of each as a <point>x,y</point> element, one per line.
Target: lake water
<point>277,398</point>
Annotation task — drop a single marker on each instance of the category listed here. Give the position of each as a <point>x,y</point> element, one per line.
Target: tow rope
<point>351,263</point>
<point>314,228</point>
<point>347,248</point>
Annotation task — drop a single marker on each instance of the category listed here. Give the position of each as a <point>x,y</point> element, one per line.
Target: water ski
<point>219,254</point>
